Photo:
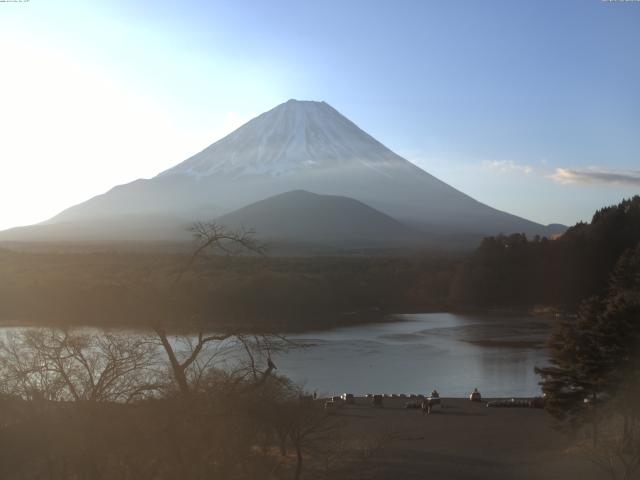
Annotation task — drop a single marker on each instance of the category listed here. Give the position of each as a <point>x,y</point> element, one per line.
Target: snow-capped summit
<point>296,135</point>
<point>298,145</point>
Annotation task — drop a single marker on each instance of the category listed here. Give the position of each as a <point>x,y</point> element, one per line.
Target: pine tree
<point>596,357</point>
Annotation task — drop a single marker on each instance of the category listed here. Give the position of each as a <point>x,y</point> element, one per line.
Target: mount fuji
<point>298,145</point>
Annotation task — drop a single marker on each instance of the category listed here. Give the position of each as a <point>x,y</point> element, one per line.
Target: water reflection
<point>414,354</point>
<point>453,353</point>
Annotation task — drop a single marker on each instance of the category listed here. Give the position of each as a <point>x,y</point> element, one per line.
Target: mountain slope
<point>102,230</point>
<point>297,145</point>
<point>295,137</point>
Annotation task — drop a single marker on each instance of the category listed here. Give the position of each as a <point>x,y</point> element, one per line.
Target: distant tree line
<point>295,293</point>
<point>259,293</point>
<point>515,271</point>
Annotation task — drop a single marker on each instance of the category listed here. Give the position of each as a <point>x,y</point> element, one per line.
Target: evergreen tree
<point>511,271</point>
<point>596,356</point>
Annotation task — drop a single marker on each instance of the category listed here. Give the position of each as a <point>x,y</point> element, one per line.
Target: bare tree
<point>213,237</point>
<point>618,450</point>
<point>617,458</point>
<point>66,365</point>
<point>71,401</point>
<point>309,425</point>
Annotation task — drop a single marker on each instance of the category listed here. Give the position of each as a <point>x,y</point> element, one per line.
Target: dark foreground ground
<point>464,440</point>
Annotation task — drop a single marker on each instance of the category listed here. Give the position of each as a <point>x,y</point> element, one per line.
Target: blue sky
<point>531,107</point>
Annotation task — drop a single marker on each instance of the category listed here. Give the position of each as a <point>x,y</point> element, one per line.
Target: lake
<point>414,353</point>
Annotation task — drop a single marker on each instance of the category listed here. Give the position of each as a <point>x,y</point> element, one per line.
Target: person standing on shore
<point>475,396</point>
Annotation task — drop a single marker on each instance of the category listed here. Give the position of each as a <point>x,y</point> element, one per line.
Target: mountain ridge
<point>299,145</point>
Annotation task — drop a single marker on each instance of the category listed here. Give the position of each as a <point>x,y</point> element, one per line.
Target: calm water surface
<point>416,353</point>
<point>451,352</point>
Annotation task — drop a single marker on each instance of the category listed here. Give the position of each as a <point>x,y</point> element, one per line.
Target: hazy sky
<point>531,107</point>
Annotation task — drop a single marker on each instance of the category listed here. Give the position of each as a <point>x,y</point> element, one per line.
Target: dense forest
<point>253,292</point>
<point>592,384</point>
<point>508,271</point>
<point>244,291</point>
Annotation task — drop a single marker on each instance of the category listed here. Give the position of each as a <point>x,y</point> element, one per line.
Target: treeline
<point>278,293</point>
<point>515,271</point>
<point>593,382</point>
<point>263,293</point>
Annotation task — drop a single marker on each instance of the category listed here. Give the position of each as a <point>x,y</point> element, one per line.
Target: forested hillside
<point>246,292</point>
<point>312,292</point>
<point>514,271</point>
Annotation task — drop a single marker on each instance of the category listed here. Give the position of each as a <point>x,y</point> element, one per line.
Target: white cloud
<point>508,166</point>
<point>596,175</point>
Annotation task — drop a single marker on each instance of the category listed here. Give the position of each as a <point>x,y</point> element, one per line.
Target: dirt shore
<point>464,440</point>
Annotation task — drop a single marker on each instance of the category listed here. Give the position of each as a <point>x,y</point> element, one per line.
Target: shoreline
<point>325,322</point>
